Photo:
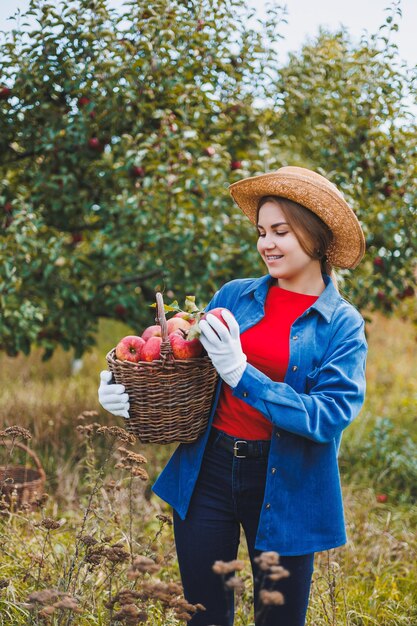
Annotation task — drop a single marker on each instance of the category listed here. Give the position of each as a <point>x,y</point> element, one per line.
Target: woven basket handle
<point>166,350</point>
<point>30,453</point>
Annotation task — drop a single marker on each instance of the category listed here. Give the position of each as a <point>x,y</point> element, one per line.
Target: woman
<point>292,376</point>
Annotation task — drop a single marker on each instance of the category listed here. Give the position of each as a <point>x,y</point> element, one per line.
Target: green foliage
<point>121,130</point>
<point>116,146</point>
<point>347,110</point>
<point>386,461</point>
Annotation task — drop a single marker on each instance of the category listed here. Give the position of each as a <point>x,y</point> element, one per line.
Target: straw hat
<point>314,192</point>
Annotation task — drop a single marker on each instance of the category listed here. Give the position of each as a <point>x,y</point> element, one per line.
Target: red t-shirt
<point>267,347</point>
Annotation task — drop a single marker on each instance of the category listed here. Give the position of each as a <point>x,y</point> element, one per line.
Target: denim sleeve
<point>213,302</point>
<point>329,398</point>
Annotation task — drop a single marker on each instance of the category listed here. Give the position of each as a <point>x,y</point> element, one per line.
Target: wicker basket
<point>170,400</point>
<point>24,483</point>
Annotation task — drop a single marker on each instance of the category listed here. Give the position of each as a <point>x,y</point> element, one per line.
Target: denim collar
<point>325,303</point>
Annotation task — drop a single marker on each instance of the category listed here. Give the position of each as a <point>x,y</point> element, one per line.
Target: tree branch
<point>130,279</point>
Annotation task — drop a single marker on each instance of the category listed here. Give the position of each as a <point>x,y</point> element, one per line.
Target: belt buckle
<point>236,449</point>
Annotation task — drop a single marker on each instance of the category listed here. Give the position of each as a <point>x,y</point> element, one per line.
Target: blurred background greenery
<point>120,132</point>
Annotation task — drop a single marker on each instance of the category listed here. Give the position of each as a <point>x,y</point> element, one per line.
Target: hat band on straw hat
<point>314,192</point>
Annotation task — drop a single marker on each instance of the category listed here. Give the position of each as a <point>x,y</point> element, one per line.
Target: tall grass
<point>371,580</point>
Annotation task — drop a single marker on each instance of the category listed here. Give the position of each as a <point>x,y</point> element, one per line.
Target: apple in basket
<point>151,351</point>
<point>183,348</point>
<point>177,323</point>
<point>130,348</point>
<point>185,316</point>
<point>151,331</point>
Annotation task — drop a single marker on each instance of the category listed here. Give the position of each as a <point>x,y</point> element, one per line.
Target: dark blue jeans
<point>229,495</point>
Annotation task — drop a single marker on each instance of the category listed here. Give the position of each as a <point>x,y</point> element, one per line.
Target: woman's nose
<point>268,242</point>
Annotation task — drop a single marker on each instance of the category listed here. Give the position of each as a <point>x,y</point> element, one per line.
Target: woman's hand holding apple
<point>223,346</point>
<point>184,345</point>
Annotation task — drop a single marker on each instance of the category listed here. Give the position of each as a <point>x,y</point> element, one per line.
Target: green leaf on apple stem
<point>168,307</point>
<point>190,305</point>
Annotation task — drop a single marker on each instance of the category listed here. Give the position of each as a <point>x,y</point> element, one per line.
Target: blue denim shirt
<point>322,393</point>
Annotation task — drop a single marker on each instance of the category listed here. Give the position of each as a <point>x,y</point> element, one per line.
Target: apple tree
<point>121,130</point>
<point>349,111</point>
<point>119,133</point>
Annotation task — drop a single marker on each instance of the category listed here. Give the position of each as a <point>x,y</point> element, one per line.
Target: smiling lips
<point>275,257</point>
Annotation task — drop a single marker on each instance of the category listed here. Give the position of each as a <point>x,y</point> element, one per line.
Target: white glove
<point>112,397</point>
<point>224,348</point>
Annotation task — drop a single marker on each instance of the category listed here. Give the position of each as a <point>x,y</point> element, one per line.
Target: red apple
<point>130,348</point>
<point>408,292</point>
<point>5,93</point>
<point>236,165</point>
<point>83,101</point>
<point>137,171</point>
<point>217,312</point>
<point>177,323</point>
<point>95,144</point>
<point>387,190</point>
<point>151,351</point>
<point>381,497</point>
<point>120,310</point>
<point>76,237</point>
<point>183,348</point>
<point>151,331</point>
<point>210,151</point>
<point>185,316</point>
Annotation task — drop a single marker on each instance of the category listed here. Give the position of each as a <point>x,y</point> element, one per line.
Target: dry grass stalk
<point>141,565</point>
<point>131,615</point>
<point>235,583</point>
<point>169,594</point>
<point>116,554</point>
<point>266,560</point>
<point>164,519</point>
<point>269,598</point>
<point>118,433</point>
<point>227,567</point>
<point>51,600</point>
<point>15,432</point>
<point>50,524</point>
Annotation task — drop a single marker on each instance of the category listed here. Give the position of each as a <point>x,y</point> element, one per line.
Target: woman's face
<point>281,251</point>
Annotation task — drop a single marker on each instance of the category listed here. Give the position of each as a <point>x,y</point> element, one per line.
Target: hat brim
<point>322,198</point>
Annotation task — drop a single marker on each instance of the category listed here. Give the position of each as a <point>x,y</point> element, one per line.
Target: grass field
<point>100,547</point>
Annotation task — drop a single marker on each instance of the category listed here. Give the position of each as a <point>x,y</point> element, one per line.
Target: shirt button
<point>294,368</point>
<point>278,435</point>
<point>295,338</point>
<point>245,394</point>
<point>268,506</point>
<point>273,470</point>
